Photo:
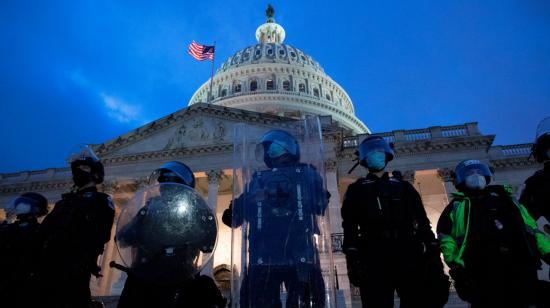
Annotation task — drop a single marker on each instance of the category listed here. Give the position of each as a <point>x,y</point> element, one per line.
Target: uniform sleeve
<point>350,221</point>
<point>415,201</point>
<point>232,216</point>
<point>447,242</point>
<point>100,223</point>
<point>527,198</point>
<point>543,245</point>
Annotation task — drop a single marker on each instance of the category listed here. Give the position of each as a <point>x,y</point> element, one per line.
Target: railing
<point>517,149</point>
<point>419,134</point>
<point>454,131</point>
<point>412,135</point>
<point>282,92</point>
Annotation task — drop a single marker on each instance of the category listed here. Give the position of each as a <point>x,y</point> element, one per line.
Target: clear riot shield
<point>166,234</point>
<point>281,250</point>
<point>543,127</point>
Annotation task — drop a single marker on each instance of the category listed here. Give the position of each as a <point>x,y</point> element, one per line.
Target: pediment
<point>200,125</point>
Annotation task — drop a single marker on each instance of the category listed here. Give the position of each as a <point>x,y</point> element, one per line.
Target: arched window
<point>253,85</point>
<point>302,87</point>
<point>316,92</point>
<point>224,92</point>
<point>328,97</point>
<point>286,85</point>
<point>237,88</point>
<point>269,84</point>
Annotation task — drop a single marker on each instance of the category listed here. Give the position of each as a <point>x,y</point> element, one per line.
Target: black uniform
<point>19,251</point>
<point>74,235</point>
<point>536,195</point>
<point>389,244</point>
<point>282,228</point>
<point>200,292</point>
<point>500,256</point>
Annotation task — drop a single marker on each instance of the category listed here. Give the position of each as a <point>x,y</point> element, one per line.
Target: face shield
<point>85,166</point>
<point>278,147</point>
<point>370,149</point>
<point>173,172</point>
<point>471,167</point>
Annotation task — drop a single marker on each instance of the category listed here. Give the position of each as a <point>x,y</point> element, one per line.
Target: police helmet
<point>37,202</point>
<point>84,162</point>
<point>375,143</point>
<point>173,172</point>
<point>541,146</point>
<point>469,167</point>
<point>278,143</point>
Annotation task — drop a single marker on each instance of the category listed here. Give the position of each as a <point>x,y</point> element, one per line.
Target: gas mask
<point>376,160</point>
<point>475,182</point>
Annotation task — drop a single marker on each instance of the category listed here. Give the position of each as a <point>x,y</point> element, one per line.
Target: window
<point>286,85</point>
<point>258,52</point>
<point>269,84</point>
<point>293,54</point>
<point>303,58</point>
<point>281,52</point>
<point>302,87</point>
<point>237,88</point>
<point>224,92</point>
<point>328,97</point>
<point>253,85</point>
<point>316,92</point>
<point>270,52</point>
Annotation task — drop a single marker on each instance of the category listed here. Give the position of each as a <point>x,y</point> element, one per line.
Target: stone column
<point>334,202</point>
<point>335,217</point>
<point>214,177</point>
<point>445,174</point>
<point>104,283</point>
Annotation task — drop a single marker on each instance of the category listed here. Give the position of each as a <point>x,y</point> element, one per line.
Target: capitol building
<point>266,84</point>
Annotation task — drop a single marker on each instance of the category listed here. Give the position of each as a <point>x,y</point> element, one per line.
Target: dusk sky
<point>87,71</point>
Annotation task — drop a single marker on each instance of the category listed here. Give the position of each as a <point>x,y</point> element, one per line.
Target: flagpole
<point>212,74</point>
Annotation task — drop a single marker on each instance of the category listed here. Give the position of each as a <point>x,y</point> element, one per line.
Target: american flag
<point>201,52</point>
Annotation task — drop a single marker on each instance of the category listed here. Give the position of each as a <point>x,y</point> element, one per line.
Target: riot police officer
<point>280,206</point>
<point>166,237</point>
<point>74,235</point>
<point>490,242</point>
<point>19,250</point>
<point>536,194</point>
<point>388,241</point>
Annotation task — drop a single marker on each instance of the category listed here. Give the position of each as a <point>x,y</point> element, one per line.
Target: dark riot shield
<point>166,233</point>
<point>281,251</point>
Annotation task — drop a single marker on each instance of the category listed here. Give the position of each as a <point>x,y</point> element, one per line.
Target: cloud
<point>116,108</point>
<point>120,110</point>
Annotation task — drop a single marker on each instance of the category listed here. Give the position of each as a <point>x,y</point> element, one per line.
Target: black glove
<point>546,258</point>
<point>96,271</point>
<point>463,282</point>
<point>353,262</point>
<point>228,214</point>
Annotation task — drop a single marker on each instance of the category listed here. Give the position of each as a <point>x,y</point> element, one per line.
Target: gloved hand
<point>463,282</point>
<point>96,271</point>
<point>353,262</point>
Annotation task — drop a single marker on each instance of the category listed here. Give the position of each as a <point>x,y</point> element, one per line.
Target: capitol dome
<point>277,78</point>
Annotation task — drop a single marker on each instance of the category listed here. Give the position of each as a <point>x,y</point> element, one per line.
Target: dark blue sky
<point>87,71</point>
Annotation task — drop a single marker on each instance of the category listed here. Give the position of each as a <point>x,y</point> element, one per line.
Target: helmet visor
<point>371,145</point>
<point>283,140</point>
<point>471,167</point>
